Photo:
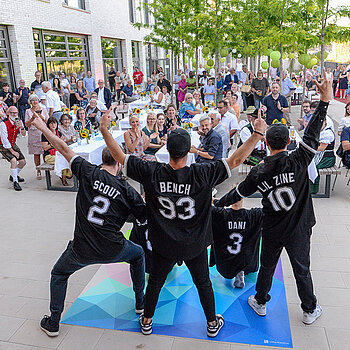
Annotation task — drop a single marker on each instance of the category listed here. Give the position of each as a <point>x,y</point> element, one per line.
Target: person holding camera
<point>9,131</point>
<point>34,135</point>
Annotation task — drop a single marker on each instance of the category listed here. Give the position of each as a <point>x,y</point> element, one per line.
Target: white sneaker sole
<point>139,311</point>
<point>251,304</point>
<point>313,320</point>
<point>50,334</point>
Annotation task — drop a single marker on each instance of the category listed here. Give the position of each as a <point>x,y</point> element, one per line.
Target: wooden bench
<point>50,167</point>
<point>244,169</point>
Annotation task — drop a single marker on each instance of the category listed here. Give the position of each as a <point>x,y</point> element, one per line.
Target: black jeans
<point>69,262</point>
<point>298,250</point>
<point>199,270</point>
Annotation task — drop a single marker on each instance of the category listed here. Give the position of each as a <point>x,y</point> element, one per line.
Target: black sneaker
<point>49,327</point>
<point>212,331</point>
<point>16,186</point>
<point>146,329</point>
<point>20,179</point>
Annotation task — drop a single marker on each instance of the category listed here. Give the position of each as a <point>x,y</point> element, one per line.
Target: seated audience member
<point>82,122</point>
<point>151,131</point>
<point>166,96</point>
<point>324,157</point>
<point>222,131</point>
<point>344,122</point>
<point>209,92</point>
<point>69,134</point>
<point>93,113</point>
<point>259,152</point>
<point>157,98</point>
<point>173,121</point>
<point>101,106</point>
<point>81,94</point>
<point>345,142</point>
<point>127,92</point>
<point>210,148</point>
<point>136,141</point>
<point>50,151</point>
<point>9,130</point>
<point>307,115</point>
<point>34,135</point>
<point>197,100</point>
<point>188,109</point>
<point>150,85</point>
<point>230,224</point>
<point>162,129</point>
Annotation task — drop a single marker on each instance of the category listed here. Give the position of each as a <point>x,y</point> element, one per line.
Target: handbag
<point>340,151</point>
<point>246,89</point>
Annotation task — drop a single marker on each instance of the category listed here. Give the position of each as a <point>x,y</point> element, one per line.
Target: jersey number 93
<point>170,209</point>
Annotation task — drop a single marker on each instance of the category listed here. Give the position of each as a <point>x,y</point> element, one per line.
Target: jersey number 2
<point>98,210</point>
<point>169,211</point>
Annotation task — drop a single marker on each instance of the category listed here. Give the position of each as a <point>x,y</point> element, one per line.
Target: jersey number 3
<point>169,211</point>
<point>98,210</point>
<point>236,245</point>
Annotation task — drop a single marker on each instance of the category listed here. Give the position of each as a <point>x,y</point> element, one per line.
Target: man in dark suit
<point>104,94</point>
<point>230,79</point>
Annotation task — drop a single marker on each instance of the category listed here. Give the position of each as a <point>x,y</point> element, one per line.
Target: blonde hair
<point>196,92</point>
<point>188,95</point>
<point>155,127</point>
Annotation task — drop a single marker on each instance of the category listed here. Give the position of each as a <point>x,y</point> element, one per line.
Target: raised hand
<point>260,124</point>
<point>325,88</point>
<point>106,120</point>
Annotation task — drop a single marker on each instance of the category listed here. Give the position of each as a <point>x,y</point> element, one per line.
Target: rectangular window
<point>60,51</point>
<point>146,14</point>
<point>6,71</point>
<point>79,4</point>
<point>131,11</point>
<point>136,57</point>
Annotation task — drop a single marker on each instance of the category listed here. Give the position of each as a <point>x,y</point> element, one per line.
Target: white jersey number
<point>98,210</point>
<point>169,211</point>
<point>279,202</point>
<point>236,245</point>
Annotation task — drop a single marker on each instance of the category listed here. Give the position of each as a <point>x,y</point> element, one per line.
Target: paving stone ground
<point>36,225</point>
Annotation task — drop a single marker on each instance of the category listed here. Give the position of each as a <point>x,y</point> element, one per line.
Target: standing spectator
<point>118,84</point>
<point>65,89</point>
<point>200,70</point>
<point>36,87</point>
<point>310,86</point>
<point>56,86</point>
<point>6,95</point>
<point>104,94</point>
<point>150,85</point>
<point>202,82</point>
<point>235,90</point>
<point>260,88</point>
<point>138,77</point>
<point>344,122</point>
<point>191,82</point>
<point>235,106</point>
<point>154,76</point>
<point>72,88</point>
<point>53,103</point>
<point>3,109</point>
<point>215,118</point>
<point>230,79</point>
<point>127,92</point>
<point>336,74</point>
<point>89,82</point>
<point>162,81</point>
<point>239,69</point>
<point>9,131</point>
<point>69,134</point>
<point>220,82</point>
<point>124,77</point>
<point>275,105</point>
<point>288,89</point>
<point>210,148</point>
<point>22,94</point>
<point>343,83</point>
<point>177,78</point>
<point>111,78</point>
<point>34,135</point>
<point>209,91</point>
<point>227,118</point>
<point>81,94</point>
<point>188,110</point>
<point>52,76</point>
<point>182,89</point>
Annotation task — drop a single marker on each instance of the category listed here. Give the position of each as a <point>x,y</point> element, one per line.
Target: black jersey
<point>103,204</point>
<point>178,204</point>
<point>236,240</point>
<point>283,182</point>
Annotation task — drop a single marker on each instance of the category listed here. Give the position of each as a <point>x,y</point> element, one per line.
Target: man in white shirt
<point>9,131</point>
<point>104,95</point>
<point>227,118</point>
<point>239,67</point>
<point>221,129</point>
<point>201,69</point>
<point>64,85</point>
<point>53,102</point>
<point>101,106</point>
<point>124,77</point>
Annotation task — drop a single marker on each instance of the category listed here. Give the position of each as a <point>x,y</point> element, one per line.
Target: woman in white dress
<point>157,98</point>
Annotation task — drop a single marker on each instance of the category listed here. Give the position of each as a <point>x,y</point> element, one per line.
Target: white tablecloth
<point>124,123</point>
<point>162,155</point>
<point>91,151</point>
<point>139,104</point>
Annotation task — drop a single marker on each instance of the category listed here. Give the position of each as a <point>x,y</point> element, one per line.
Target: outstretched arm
<point>54,140</point>
<point>247,148</point>
<point>112,144</point>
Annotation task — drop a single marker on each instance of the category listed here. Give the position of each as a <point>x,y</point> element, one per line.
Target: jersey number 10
<point>279,196</point>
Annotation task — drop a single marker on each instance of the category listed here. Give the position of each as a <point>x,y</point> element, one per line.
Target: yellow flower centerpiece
<point>283,121</point>
<point>205,109</point>
<point>85,134</point>
<point>213,104</point>
<point>147,107</point>
<point>137,111</point>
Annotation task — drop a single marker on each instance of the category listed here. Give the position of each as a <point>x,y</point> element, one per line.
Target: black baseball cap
<point>277,136</point>
<point>179,143</point>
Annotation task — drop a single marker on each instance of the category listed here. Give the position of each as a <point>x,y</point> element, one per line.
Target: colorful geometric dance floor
<point>108,302</point>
